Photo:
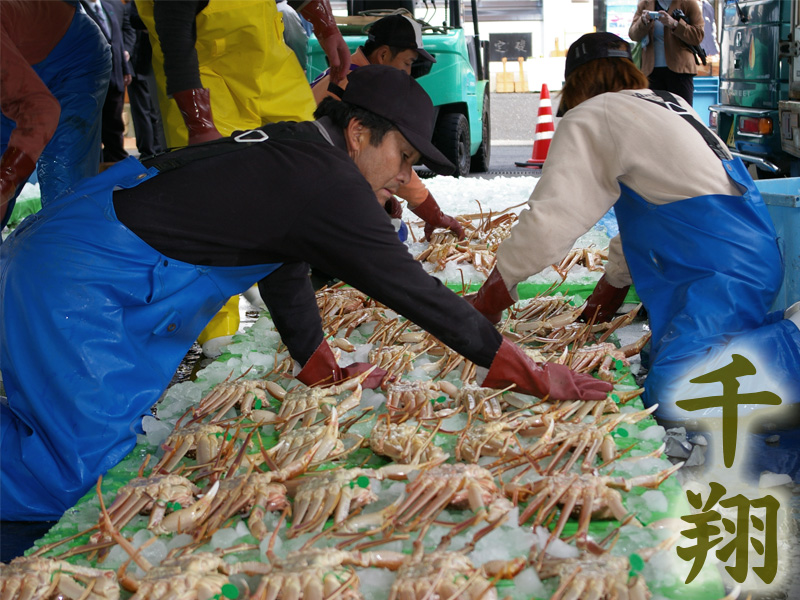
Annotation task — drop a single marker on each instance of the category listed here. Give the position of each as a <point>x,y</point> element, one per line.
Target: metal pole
<point>482,67</point>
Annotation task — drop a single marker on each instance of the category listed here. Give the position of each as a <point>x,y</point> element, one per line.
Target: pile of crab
<point>483,233</point>
<point>429,487</point>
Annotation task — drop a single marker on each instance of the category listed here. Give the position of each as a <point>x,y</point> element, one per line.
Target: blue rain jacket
<point>76,72</point>
<point>708,270</point>
<point>94,323</point>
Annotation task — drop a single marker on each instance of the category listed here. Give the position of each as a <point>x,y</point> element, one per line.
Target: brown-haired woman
<point>697,239</point>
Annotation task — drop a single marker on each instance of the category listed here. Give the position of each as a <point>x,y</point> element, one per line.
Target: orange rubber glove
<point>15,168</point>
<point>433,216</point>
<point>604,301</point>
<point>512,365</point>
<point>195,107</point>
<point>322,369</point>
<point>493,297</point>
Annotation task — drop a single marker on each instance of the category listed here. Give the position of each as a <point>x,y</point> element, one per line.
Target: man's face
<point>387,166</point>
<point>402,60</point>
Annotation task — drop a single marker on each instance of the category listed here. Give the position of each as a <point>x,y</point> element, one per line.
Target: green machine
<point>457,83</point>
<point>758,61</point>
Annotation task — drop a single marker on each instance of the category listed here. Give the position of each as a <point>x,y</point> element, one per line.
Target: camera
<point>654,15</point>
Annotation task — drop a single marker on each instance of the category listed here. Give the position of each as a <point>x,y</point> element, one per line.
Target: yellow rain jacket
<point>254,77</point>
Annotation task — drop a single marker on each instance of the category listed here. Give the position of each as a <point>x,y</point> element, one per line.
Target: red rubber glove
<point>433,216</point>
<point>321,369</point>
<point>493,297</point>
<point>393,208</point>
<point>320,15</point>
<point>15,167</point>
<point>195,107</point>
<point>604,301</point>
<point>511,365</point>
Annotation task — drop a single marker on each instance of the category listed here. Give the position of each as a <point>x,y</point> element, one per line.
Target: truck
<point>457,83</point>
<point>759,91</point>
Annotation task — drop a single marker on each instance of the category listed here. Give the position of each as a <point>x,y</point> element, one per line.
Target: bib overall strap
<point>239,140</point>
<point>670,102</point>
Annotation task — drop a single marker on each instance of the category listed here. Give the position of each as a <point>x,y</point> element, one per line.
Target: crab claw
<point>186,518</point>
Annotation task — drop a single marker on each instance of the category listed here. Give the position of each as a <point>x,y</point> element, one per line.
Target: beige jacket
<point>680,58</point>
<point>606,141</point>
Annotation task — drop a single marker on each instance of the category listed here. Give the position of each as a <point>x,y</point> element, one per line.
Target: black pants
<point>113,127</point>
<point>146,116</point>
<point>681,84</point>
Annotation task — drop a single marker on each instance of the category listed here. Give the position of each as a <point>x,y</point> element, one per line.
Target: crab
<point>458,486</point>
<point>583,496</point>
<point>204,441</point>
<point>556,439</point>
<point>325,437</point>
<point>143,495</point>
<point>450,575</point>
<point>336,493</point>
<point>247,394</point>
<point>301,406</point>
<point>200,575</point>
<point>319,573</point>
<point>500,437</point>
<point>415,399</point>
<point>28,577</point>
<point>405,442</point>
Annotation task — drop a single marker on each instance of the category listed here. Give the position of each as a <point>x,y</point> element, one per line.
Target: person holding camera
<point>667,37</point>
<point>695,237</point>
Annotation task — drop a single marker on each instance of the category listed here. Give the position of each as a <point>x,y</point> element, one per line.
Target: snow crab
<point>302,405</point>
<point>28,577</point>
<point>319,573</point>
<point>154,495</point>
<point>583,496</point>
<point>203,441</point>
<point>336,493</point>
<point>450,575</point>
<point>416,399</point>
<point>458,485</point>
<point>405,442</point>
<point>249,395</point>
<point>325,437</point>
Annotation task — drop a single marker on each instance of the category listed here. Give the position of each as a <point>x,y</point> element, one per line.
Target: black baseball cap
<point>399,31</point>
<point>398,98</point>
<point>592,46</point>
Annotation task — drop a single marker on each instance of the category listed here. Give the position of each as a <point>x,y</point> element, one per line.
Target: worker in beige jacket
<point>695,236</point>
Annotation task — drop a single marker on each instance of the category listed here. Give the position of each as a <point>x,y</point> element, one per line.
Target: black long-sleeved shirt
<point>298,202</point>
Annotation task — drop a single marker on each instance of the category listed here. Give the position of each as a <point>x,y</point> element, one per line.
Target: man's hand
<point>338,54</point>
<point>15,168</point>
<point>604,301</point>
<point>393,208</point>
<point>493,297</point>
<point>433,216</point>
<point>512,366</point>
<point>320,15</point>
<point>322,369</point>
<point>195,107</point>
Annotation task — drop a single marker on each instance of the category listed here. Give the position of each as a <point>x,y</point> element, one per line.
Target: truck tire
<point>451,137</point>
<point>480,160</point>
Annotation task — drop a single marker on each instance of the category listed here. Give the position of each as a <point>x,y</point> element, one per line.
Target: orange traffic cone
<point>544,132</point>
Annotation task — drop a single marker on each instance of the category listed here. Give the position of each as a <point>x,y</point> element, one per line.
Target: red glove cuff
<point>320,15</point>
<point>15,167</point>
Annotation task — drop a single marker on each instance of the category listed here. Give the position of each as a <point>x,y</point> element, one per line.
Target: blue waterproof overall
<point>708,270</point>
<point>76,72</point>
<point>93,325</point>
